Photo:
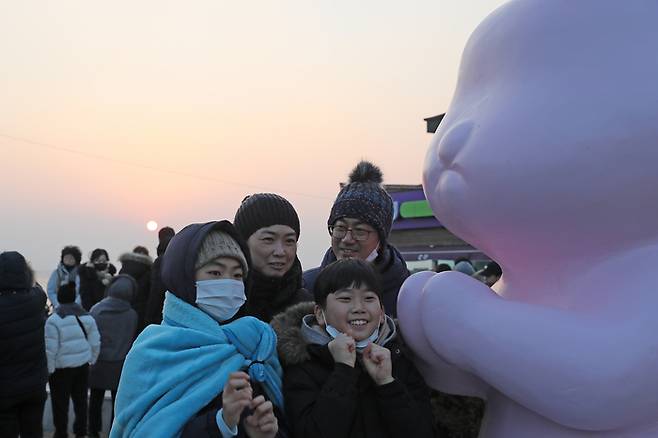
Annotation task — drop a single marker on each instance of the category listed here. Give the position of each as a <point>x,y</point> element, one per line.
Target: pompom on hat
<point>365,198</point>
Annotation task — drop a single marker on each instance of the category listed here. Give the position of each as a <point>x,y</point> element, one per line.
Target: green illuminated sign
<point>415,209</point>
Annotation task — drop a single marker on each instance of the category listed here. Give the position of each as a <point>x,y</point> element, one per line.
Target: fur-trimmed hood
<point>135,257</point>
<point>290,344</point>
<point>296,328</point>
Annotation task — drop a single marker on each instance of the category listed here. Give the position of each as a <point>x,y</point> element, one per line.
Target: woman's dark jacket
<point>92,288</point>
<point>23,366</point>
<point>391,267</point>
<point>156,298</point>
<point>204,424</point>
<point>328,400</point>
<point>138,266</point>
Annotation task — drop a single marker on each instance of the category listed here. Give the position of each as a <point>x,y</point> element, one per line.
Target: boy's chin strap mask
<point>373,255</point>
<point>360,345</point>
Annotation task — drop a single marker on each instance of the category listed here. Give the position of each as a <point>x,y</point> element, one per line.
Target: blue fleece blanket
<point>175,369</point>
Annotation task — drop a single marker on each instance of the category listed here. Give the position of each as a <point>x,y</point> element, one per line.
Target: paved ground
<point>49,429</point>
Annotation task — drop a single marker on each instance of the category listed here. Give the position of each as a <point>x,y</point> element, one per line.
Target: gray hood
<point>123,287</point>
<point>296,328</point>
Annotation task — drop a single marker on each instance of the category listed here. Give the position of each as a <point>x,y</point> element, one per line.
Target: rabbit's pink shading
<point>547,160</point>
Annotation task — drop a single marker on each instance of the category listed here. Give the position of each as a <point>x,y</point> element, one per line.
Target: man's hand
<point>377,362</point>
<point>343,349</point>
<point>236,396</point>
<point>262,423</point>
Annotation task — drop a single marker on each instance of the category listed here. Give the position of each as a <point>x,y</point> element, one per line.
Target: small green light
<point>415,209</point>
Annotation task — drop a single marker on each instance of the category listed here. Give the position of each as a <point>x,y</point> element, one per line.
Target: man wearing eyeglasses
<point>359,224</point>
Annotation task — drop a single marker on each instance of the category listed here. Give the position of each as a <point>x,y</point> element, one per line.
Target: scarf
<point>177,368</point>
<point>64,275</point>
<point>66,309</point>
<point>270,295</point>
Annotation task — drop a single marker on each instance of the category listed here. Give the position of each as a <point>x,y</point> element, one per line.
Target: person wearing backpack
<point>72,343</point>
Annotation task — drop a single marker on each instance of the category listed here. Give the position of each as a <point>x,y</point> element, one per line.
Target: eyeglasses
<point>339,232</point>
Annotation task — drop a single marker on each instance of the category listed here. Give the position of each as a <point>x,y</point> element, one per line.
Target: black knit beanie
<point>365,198</point>
<point>264,210</point>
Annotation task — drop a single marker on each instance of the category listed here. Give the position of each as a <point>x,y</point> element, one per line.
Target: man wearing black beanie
<point>359,224</point>
<point>270,225</point>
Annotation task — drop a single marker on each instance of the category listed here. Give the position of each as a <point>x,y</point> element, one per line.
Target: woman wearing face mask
<point>346,372</point>
<point>94,278</point>
<point>202,372</point>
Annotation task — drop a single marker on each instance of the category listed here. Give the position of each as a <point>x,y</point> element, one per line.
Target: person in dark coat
<point>23,364</point>
<point>117,324</point>
<point>94,276</point>
<point>138,266</point>
<point>270,225</point>
<point>359,225</point>
<point>155,300</point>
<point>204,371</point>
<point>346,372</point>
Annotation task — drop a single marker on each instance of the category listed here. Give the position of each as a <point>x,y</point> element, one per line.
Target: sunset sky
<point>116,113</point>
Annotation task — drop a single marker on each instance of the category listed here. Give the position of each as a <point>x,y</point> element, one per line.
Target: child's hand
<point>262,423</point>
<point>377,362</point>
<point>236,396</point>
<point>343,349</point>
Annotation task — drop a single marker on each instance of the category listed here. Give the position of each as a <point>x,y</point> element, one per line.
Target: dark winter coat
<point>155,302</point>
<point>328,400</point>
<point>269,296</point>
<point>391,267</point>
<point>138,266</point>
<point>92,287</point>
<point>117,324</point>
<point>23,365</point>
<point>205,423</point>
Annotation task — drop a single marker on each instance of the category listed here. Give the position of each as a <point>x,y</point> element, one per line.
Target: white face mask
<point>373,255</point>
<point>221,299</point>
<point>360,345</point>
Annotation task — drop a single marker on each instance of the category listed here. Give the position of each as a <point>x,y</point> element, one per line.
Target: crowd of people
<point>223,334</point>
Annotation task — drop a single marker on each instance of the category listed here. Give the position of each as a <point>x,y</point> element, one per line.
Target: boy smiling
<point>345,372</point>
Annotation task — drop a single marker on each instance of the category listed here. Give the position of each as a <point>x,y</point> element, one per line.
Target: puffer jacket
<point>66,346</point>
<point>324,399</point>
<point>22,352</point>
